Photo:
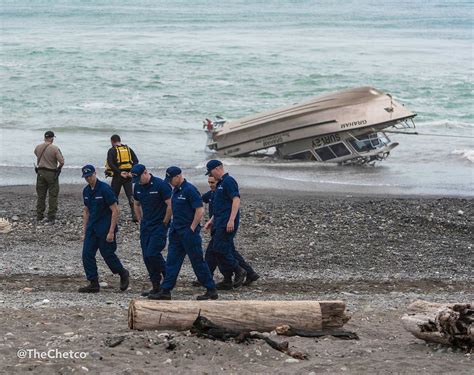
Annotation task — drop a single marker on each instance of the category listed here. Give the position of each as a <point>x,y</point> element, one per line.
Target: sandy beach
<point>377,253</point>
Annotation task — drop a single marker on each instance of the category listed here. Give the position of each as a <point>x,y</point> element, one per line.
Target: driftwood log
<point>5,226</point>
<point>238,315</point>
<point>447,324</point>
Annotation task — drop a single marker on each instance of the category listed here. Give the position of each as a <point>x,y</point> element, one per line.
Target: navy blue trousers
<point>181,243</point>
<point>213,262</point>
<point>222,253</point>
<point>153,241</point>
<point>92,243</point>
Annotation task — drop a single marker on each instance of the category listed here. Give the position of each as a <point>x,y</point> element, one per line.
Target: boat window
<point>374,140</point>
<point>340,149</point>
<point>384,139</point>
<point>368,142</point>
<point>306,155</point>
<point>325,153</point>
<point>362,144</point>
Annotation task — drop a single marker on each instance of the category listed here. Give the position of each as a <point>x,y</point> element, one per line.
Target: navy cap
<point>211,164</point>
<point>137,171</point>
<point>88,170</point>
<point>49,134</point>
<point>172,172</point>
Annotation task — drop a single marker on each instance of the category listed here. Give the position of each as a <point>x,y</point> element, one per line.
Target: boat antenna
<point>390,109</point>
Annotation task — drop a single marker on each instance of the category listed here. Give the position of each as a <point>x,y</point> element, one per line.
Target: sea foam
<point>465,154</point>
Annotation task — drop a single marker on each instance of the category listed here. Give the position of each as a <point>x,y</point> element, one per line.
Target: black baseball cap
<point>87,170</point>
<point>136,171</point>
<point>211,164</point>
<point>49,134</point>
<point>172,172</point>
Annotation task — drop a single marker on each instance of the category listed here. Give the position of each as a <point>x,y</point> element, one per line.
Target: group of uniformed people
<point>169,209</point>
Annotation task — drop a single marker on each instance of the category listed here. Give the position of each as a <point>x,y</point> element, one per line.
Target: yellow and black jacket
<point>120,158</point>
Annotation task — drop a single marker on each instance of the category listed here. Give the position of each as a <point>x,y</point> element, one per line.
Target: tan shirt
<point>52,156</point>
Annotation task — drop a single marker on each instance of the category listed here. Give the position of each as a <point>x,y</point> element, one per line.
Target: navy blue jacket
<point>184,201</point>
<point>209,198</point>
<point>152,197</point>
<point>98,201</point>
<point>226,190</point>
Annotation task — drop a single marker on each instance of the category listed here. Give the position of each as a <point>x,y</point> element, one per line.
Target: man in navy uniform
<point>100,217</point>
<point>224,223</point>
<point>152,204</point>
<point>211,262</point>
<point>185,237</point>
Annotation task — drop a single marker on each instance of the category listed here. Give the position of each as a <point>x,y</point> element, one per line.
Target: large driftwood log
<point>239,315</point>
<point>447,324</point>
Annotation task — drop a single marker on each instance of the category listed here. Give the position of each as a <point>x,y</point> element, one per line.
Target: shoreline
<point>265,191</point>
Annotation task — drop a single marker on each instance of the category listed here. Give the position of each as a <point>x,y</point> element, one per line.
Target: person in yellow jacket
<point>120,160</point>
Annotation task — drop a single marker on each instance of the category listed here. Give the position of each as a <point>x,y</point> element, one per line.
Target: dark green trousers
<point>47,182</point>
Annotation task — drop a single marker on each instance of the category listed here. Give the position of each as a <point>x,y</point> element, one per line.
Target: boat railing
<point>211,126</point>
<point>405,124</point>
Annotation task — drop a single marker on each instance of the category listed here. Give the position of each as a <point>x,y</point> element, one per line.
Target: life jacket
<point>124,160</point>
<point>108,171</point>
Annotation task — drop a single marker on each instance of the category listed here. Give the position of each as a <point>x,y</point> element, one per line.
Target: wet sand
<point>377,253</point>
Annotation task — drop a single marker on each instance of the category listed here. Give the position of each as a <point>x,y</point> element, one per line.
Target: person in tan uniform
<point>49,161</point>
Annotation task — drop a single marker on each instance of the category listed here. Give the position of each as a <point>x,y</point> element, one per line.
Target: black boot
<point>239,277</point>
<point>210,294</point>
<point>93,287</point>
<point>154,290</point>
<point>124,279</point>
<point>251,277</point>
<point>163,294</point>
<point>225,284</point>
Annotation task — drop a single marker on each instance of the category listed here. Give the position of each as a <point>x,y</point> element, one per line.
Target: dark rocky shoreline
<point>377,253</point>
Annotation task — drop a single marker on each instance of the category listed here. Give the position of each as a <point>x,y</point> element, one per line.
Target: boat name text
<point>232,151</point>
<point>273,140</point>
<point>327,139</point>
<point>353,123</point>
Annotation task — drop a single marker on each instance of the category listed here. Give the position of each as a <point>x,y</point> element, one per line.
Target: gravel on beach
<point>377,253</point>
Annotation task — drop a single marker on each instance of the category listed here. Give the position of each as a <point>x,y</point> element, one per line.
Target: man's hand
<point>208,225</point>
<point>230,226</point>
<point>192,228</point>
<point>110,237</point>
<point>83,237</point>
<point>125,174</point>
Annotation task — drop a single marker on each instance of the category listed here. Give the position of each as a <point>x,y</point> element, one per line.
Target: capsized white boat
<point>346,126</point>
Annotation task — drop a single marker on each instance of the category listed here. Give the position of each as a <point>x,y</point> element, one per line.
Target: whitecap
<point>465,154</point>
<point>99,105</point>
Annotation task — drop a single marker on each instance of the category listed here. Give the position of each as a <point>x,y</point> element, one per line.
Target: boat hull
<point>295,129</point>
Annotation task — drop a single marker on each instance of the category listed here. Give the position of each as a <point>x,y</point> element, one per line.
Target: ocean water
<point>151,71</point>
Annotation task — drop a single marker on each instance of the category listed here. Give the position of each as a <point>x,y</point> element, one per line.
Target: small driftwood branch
<point>203,327</point>
<point>286,330</point>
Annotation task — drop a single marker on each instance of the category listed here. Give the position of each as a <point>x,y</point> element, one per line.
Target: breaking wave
<point>465,154</point>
